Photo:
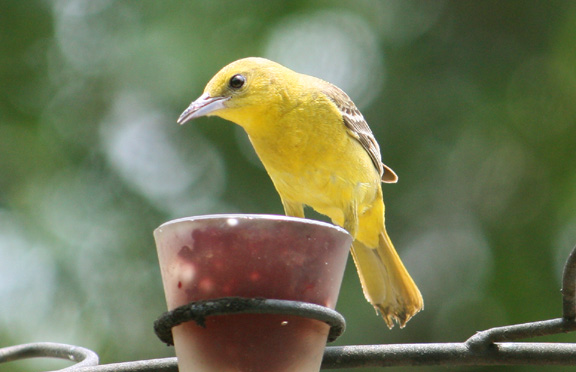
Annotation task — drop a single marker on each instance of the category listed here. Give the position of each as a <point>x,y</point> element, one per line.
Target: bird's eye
<point>237,81</point>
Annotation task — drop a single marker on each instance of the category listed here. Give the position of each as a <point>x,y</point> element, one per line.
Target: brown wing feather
<point>358,128</point>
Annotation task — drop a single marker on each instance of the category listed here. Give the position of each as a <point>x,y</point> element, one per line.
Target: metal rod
<point>448,354</point>
<point>152,365</point>
<point>357,356</point>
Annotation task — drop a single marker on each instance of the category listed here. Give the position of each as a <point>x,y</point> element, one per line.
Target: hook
<point>569,287</point>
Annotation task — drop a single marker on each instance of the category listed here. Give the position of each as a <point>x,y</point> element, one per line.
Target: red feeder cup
<point>254,256</point>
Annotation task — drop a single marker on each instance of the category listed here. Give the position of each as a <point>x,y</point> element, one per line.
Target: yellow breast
<point>312,160</point>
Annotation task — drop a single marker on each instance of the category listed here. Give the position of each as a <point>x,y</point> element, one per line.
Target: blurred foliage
<point>473,103</point>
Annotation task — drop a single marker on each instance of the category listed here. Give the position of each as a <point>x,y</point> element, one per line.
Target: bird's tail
<point>386,282</point>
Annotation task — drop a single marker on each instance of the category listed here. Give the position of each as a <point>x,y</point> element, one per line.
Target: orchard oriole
<point>319,151</point>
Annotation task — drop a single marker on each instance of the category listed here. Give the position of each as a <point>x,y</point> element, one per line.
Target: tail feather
<point>386,282</point>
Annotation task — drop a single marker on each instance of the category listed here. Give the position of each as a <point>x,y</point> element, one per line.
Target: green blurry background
<point>473,103</point>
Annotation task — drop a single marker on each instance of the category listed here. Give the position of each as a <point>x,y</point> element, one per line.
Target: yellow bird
<point>319,151</point>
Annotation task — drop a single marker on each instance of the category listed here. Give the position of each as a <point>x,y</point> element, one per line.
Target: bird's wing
<point>358,128</point>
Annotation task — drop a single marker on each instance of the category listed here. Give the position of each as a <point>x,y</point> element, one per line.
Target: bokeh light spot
<point>335,45</point>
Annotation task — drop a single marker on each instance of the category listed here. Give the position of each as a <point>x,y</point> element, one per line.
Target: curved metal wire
<point>198,311</point>
<point>82,356</point>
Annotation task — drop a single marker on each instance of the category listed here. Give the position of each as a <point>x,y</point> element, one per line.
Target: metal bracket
<point>489,347</point>
<point>198,311</point>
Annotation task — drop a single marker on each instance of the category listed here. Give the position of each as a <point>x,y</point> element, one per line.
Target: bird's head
<point>240,91</point>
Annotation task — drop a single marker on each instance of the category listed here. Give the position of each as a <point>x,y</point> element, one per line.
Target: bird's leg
<point>293,209</point>
<point>351,218</point>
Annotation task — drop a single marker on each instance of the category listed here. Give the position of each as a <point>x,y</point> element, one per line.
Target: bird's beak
<point>203,106</point>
